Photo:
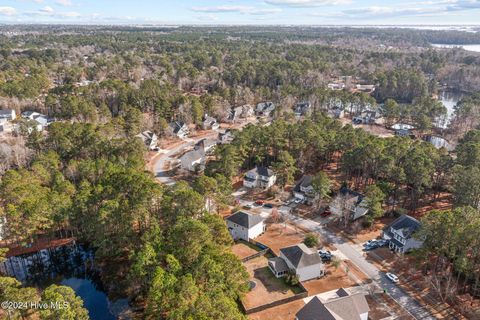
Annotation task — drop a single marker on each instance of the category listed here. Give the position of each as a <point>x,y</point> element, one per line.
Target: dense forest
<point>85,175</point>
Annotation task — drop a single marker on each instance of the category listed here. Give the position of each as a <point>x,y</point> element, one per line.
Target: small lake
<point>449,99</point>
<point>467,47</point>
<point>72,266</point>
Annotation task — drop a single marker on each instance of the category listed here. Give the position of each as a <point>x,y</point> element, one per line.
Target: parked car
<point>383,243</point>
<point>248,206</point>
<point>268,205</point>
<point>369,242</point>
<point>392,277</point>
<point>297,201</point>
<point>325,214</point>
<point>259,202</point>
<point>325,255</point>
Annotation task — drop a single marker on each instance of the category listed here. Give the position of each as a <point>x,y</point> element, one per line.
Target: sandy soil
<point>241,250</point>
<point>334,279</point>
<point>285,311</point>
<point>279,235</point>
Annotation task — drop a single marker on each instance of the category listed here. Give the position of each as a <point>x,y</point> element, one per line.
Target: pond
<point>467,47</point>
<point>449,99</point>
<point>71,266</point>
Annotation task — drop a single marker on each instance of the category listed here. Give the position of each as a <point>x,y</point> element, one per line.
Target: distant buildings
<point>225,137</point>
<point>179,129</point>
<point>336,113</point>
<point>241,112</point>
<point>400,234</point>
<point>299,259</point>
<point>302,108</point>
<point>336,86</point>
<point>40,121</point>
<point>259,177</point>
<point>245,226</point>
<point>149,138</point>
<point>193,161</point>
<point>8,114</point>
<point>265,109</point>
<point>209,123</point>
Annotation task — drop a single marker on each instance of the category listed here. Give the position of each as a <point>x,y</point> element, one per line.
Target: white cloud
<point>8,11</point>
<point>64,3</point>
<point>306,3</point>
<point>47,9</point>
<point>237,9</point>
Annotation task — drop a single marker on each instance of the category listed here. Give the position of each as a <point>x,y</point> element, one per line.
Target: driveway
<point>378,277</point>
<point>166,161</point>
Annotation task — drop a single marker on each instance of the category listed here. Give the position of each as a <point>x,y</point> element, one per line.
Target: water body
<point>467,47</point>
<point>71,266</point>
<point>449,99</point>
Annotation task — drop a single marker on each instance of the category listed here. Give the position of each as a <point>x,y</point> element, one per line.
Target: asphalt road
<point>347,250</point>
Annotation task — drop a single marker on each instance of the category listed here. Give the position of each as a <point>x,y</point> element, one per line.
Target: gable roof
<point>245,219</point>
<point>346,307</point>
<point>406,225</point>
<point>205,144</point>
<point>6,112</point>
<point>352,194</point>
<point>304,182</point>
<point>177,126</point>
<point>301,256</point>
<point>192,156</point>
<point>314,310</point>
<point>263,171</point>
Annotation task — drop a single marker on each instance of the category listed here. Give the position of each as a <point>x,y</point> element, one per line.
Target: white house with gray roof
<point>244,226</point>
<point>259,177</point>
<point>400,234</point>
<point>344,306</point>
<point>303,261</point>
<point>8,114</point>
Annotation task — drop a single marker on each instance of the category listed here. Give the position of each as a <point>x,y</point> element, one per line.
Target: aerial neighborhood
<point>242,172</point>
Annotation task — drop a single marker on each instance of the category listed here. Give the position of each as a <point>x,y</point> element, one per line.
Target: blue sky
<point>318,12</point>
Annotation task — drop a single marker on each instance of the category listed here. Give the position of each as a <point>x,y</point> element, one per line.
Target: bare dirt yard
<point>267,287</point>
<point>285,311</point>
<point>334,279</point>
<point>281,235</point>
<point>383,306</point>
<point>243,250</point>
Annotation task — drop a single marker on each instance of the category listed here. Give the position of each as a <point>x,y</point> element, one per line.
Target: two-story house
<point>8,114</point>
<point>149,138</point>
<point>259,177</point>
<point>245,226</point>
<point>304,190</point>
<point>302,108</point>
<point>303,261</point>
<point>349,203</point>
<point>180,129</point>
<point>400,234</point>
<point>209,123</point>
<point>265,109</point>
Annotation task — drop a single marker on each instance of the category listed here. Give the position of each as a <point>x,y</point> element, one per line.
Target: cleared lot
<point>279,235</point>
<point>243,250</point>
<point>334,279</point>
